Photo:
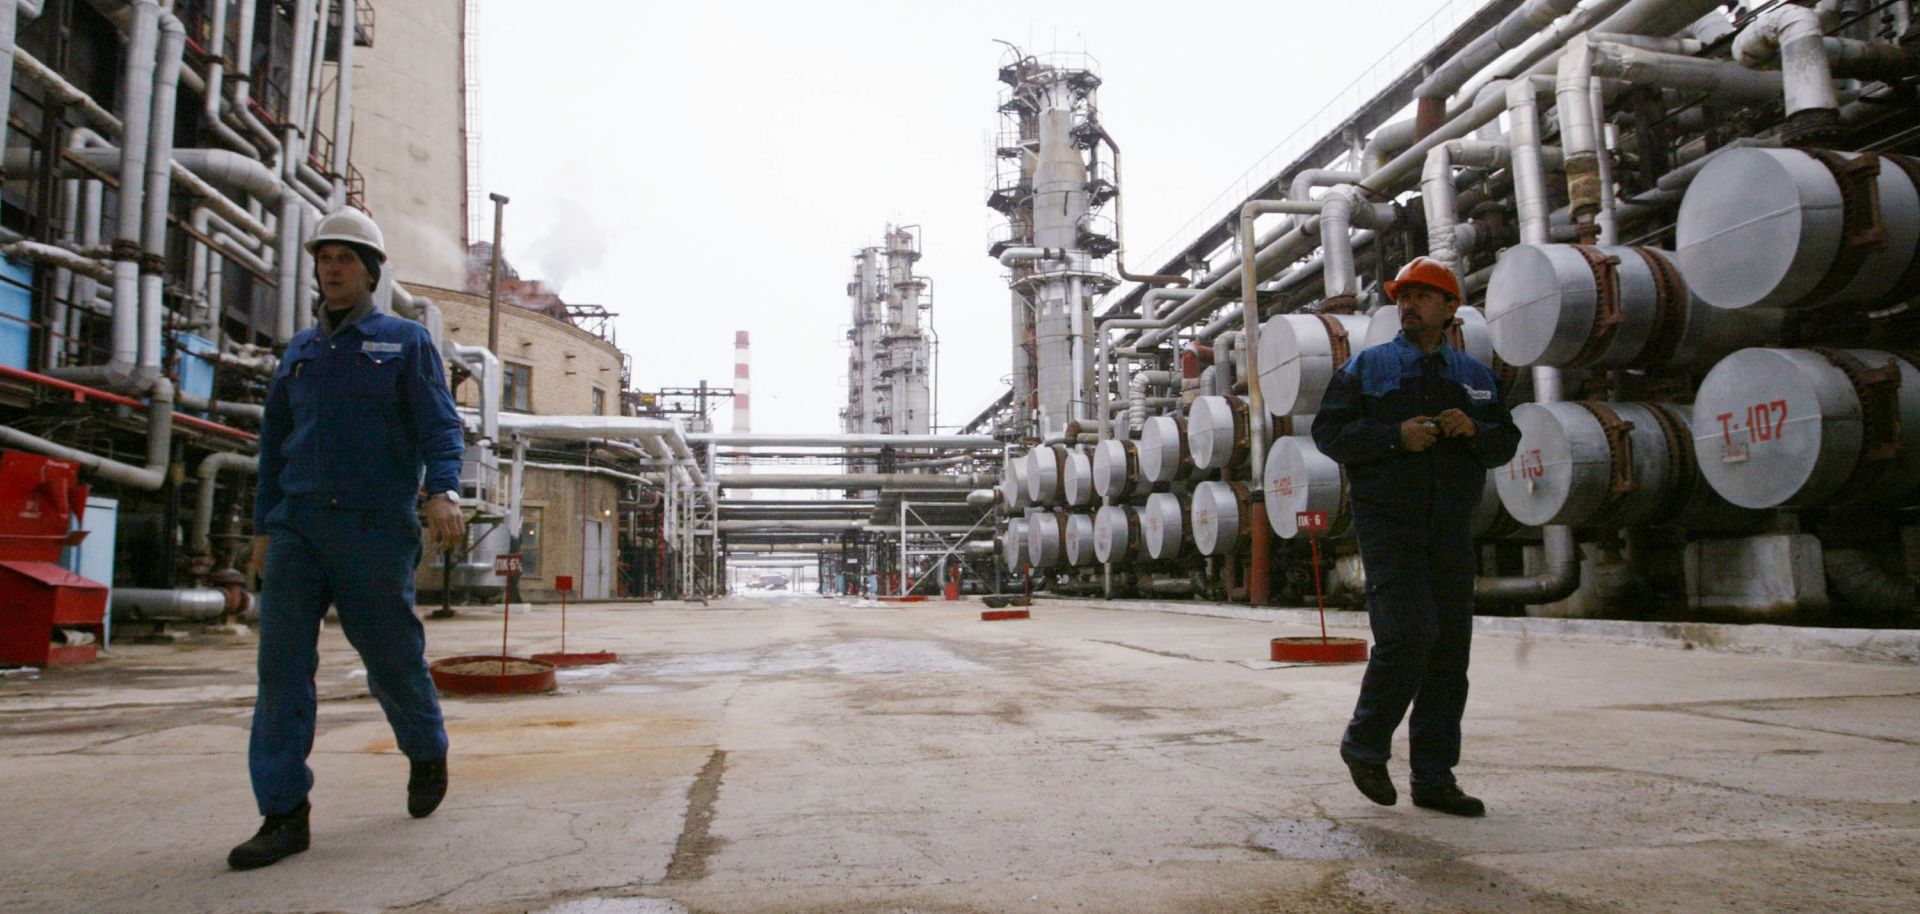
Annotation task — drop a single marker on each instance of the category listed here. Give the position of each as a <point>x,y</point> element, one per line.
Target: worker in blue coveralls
<point>1417,423</point>
<point>359,406</point>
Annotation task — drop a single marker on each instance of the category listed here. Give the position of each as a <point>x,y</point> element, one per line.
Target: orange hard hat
<point>1424,271</point>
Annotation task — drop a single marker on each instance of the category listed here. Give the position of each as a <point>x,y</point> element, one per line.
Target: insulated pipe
<point>1538,54</point>
<point>228,408</point>
<point>1793,34</point>
<point>830,526</point>
<point>159,177</point>
<point>1438,196</point>
<point>64,92</point>
<point>1674,71</point>
<point>1387,142</point>
<point>1339,211</point>
<point>1137,396</point>
<point>1530,18</point>
<point>900,442</point>
<point>159,446</point>
<point>95,150</point>
<point>288,257</point>
<point>1854,576</point>
<point>1580,146</point>
<point>208,473</point>
<point>54,255</point>
<point>1562,575</point>
<point>137,604</point>
<point>903,481</point>
<point>136,115</point>
<point>607,472</point>
<point>485,366</point>
<point>343,107</point>
<point>1529,178</point>
<point>216,78</point>
<point>11,12</point>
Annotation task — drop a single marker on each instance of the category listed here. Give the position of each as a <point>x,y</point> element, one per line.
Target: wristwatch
<point>451,495</point>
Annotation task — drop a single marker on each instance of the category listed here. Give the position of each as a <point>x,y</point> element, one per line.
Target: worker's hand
<point>445,523</point>
<point>1418,433</point>
<point>257,562</point>
<point>1456,424</point>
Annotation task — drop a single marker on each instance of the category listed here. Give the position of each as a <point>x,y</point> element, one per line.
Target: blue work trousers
<point>1420,605</point>
<point>360,562</point>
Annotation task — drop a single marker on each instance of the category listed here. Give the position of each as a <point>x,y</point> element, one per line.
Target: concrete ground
<point>799,754</point>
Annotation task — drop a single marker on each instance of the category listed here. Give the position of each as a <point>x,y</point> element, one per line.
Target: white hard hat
<point>350,226</point>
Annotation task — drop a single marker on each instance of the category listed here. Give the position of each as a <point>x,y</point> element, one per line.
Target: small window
<point>599,402</point>
<point>517,387</point>
<point>530,542</point>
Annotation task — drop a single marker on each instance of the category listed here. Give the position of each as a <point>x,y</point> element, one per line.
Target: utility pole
<point>493,280</point>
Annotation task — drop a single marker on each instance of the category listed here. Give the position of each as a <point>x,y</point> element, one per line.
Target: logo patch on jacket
<point>373,346</point>
<point>1480,396</point>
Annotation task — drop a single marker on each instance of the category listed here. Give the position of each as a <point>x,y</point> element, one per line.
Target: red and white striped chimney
<point>742,386</point>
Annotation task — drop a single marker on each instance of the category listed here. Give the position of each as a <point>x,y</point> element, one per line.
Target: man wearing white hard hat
<point>359,422</point>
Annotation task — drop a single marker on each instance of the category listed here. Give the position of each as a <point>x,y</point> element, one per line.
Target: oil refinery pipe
<point>485,367</point>
<point>1532,17</point>
<point>905,481</point>
<point>159,446</point>
<point>1120,220</point>
<point>11,12</point>
<point>1439,197</point>
<point>155,206</point>
<point>1793,34</point>
<point>137,80</point>
<point>208,474</point>
<point>137,604</point>
<point>901,442</point>
<point>342,107</point>
<point>1854,576</point>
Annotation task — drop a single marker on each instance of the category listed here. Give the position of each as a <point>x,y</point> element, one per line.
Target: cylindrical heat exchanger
<point>1574,305</point>
<point>1299,354</point>
<point>1800,228</point>
<point>1809,428</point>
<point>1221,515</point>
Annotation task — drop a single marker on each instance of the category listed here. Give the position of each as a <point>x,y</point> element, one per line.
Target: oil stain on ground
<point>697,842</point>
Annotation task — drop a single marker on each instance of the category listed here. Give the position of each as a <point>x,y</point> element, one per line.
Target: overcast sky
<point>706,168</point>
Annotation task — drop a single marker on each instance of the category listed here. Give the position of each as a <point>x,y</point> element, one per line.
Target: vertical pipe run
<point>493,276</point>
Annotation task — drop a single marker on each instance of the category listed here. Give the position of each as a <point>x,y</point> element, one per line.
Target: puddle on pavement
<point>1320,839</point>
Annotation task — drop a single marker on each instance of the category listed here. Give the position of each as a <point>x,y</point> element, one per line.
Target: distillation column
<point>906,343</point>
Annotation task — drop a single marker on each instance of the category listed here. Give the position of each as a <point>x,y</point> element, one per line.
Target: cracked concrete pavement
<point>798,754</point>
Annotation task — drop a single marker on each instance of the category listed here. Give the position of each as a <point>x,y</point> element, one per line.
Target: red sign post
<point>1314,524</point>
<point>563,583</point>
<point>508,566</point>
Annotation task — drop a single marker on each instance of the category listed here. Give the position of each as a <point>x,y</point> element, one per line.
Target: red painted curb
<point>1320,650</point>
<point>460,683</point>
<point>1001,615</point>
<point>578,658</point>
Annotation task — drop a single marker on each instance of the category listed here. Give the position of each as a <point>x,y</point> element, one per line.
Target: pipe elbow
<point>1760,42</point>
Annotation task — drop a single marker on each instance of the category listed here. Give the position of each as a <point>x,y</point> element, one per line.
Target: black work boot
<point>1372,779</point>
<point>1448,798</point>
<point>279,837</point>
<point>425,787</point>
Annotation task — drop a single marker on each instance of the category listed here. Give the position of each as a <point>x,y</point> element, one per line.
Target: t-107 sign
<point>1311,522</point>
<point>508,565</point>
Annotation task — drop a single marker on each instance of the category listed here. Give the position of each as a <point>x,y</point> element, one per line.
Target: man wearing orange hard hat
<point>1417,423</point>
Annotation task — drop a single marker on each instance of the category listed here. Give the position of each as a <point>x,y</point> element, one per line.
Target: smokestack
<point>742,386</point>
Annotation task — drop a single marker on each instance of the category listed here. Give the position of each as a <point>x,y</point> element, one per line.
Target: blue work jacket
<point>352,419</point>
<point>1359,426</point>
